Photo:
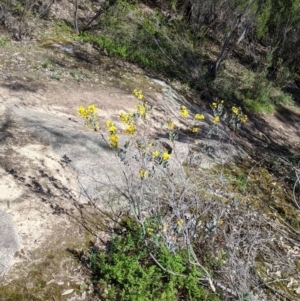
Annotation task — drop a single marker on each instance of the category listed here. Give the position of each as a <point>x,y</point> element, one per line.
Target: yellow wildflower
<point>165,156</point>
<point>184,111</point>
<point>214,105</point>
<point>143,173</point>
<point>92,109</point>
<point>141,110</point>
<point>195,130</point>
<point>125,118</point>
<point>244,118</point>
<point>235,110</point>
<point>170,124</point>
<point>180,223</point>
<point>112,129</point>
<point>216,119</point>
<point>108,123</point>
<point>131,129</point>
<point>222,101</point>
<point>155,154</point>
<point>114,141</point>
<point>96,127</point>
<point>164,228</point>
<point>199,117</point>
<point>82,112</point>
<point>138,94</point>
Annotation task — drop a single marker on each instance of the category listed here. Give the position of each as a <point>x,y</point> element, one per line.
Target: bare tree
<point>242,21</point>
<point>75,3</point>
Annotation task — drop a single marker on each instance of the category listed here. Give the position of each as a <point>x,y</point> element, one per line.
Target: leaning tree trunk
<point>225,50</point>
<point>75,3</point>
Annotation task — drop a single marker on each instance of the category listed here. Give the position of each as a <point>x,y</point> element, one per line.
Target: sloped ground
<point>49,160</point>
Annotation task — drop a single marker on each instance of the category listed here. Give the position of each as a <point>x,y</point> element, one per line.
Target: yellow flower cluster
<point>143,173</point>
<point>141,109</point>
<point>113,137</point>
<point>82,112</point>
<point>199,117</point>
<point>138,94</point>
<point>244,118</point>
<point>195,130</point>
<point>184,111</point>
<point>131,129</point>
<point>114,141</point>
<point>89,112</point>
<point>111,127</point>
<point>216,119</point>
<point>235,110</point>
<point>165,156</point>
<point>155,154</point>
<point>215,104</point>
<point>128,119</point>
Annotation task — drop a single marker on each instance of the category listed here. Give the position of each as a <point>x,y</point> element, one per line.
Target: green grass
<point>259,106</point>
<point>148,40</point>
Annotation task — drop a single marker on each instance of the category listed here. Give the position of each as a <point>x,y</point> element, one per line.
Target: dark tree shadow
<point>18,84</point>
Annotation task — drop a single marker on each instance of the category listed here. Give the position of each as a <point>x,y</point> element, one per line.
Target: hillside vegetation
<point>185,40</point>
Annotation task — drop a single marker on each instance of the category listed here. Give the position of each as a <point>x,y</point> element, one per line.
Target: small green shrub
<point>46,64</point>
<point>283,98</point>
<point>126,272</point>
<point>3,41</point>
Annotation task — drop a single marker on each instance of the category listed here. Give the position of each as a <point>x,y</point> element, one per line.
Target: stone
<point>8,241</point>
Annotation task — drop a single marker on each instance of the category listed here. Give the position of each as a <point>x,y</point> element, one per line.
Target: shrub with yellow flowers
<point>234,118</point>
<point>170,209</point>
<point>237,117</point>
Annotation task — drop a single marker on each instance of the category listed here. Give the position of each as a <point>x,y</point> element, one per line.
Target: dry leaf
<point>292,281</point>
<point>297,291</point>
<point>67,292</point>
<point>51,281</point>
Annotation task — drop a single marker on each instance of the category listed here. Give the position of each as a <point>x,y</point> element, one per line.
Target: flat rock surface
<point>8,240</point>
